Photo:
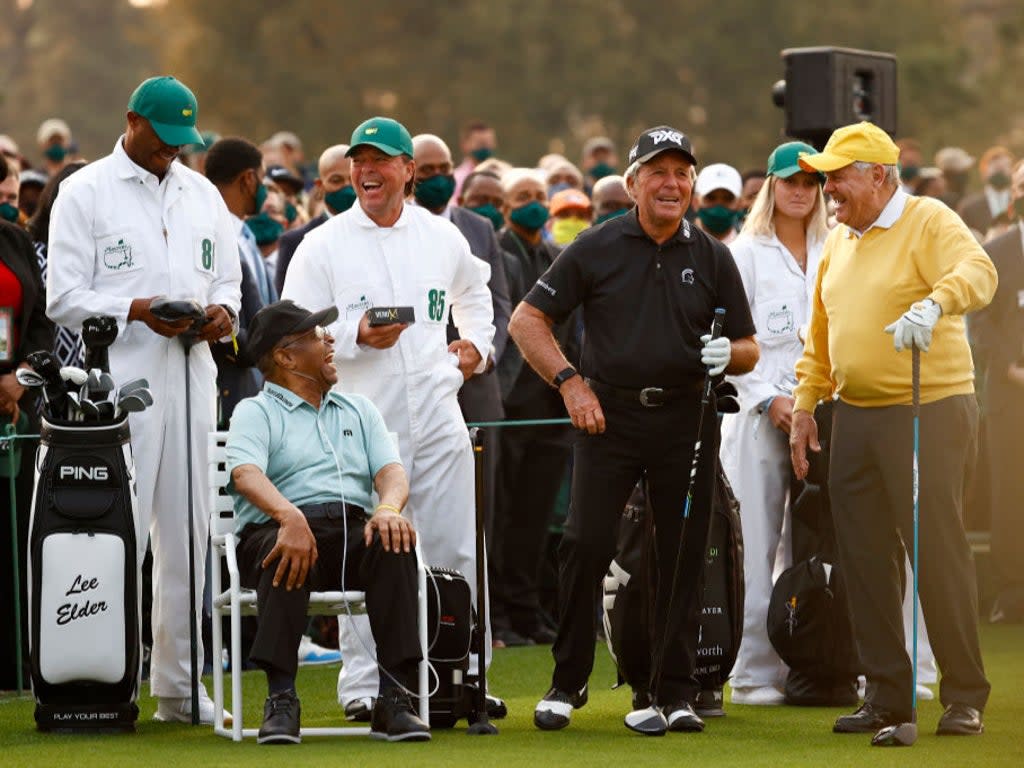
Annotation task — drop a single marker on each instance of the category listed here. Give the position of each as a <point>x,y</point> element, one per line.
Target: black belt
<point>332,510</point>
<point>648,397</point>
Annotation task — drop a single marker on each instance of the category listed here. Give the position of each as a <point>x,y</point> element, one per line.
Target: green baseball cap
<point>784,159</point>
<point>171,109</point>
<point>387,135</point>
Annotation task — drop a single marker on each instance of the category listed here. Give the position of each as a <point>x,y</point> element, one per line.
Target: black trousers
<point>1005,433</point>
<point>637,440</point>
<point>872,506</point>
<point>533,465</point>
<point>388,578</point>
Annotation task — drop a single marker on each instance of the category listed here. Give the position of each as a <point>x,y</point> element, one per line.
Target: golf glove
<point>915,327</point>
<point>715,353</point>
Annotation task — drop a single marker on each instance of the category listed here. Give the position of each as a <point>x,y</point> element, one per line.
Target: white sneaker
<point>311,654</point>
<point>179,710</point>
<point>759,696</point>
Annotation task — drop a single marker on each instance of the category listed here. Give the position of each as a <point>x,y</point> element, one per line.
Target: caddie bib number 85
<point>205,254</point>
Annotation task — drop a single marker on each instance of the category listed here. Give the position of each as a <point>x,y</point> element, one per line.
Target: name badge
<point>1020,299</point>
<point>6,334</point>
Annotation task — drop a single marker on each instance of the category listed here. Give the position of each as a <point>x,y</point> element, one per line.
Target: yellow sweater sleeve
<point>814,368</point>
<point>962,275</point>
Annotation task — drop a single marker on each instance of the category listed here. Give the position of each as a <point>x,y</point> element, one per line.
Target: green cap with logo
<point>784,159</point>
<point>387,135</point>
<point>171,109</point>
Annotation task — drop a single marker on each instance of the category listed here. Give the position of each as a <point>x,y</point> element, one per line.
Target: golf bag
<point>629,590</point>
<point>83,579</point>
<point>808,622</point>
<point>450,617</point>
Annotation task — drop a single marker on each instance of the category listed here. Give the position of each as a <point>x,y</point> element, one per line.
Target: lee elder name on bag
<point>73,611</point>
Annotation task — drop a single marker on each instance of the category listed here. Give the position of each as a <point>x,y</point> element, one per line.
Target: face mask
<point>492,213</point>
<point>264,229</point>
<point>908,173</point>
<point>554,189</point>
<point>609,216</point>
<point>481,154</point>
<point>9,213</point>
<point>564,231</point>
<point>290,212</point>
<point>261,197</point>
<point>718,219</point>
<point>435,192</point>
<point>1018,208</point>
<point>340,200</point>
<point>531,216</point>
<point>999,180</point>
<point>55,152</point>
<point>601,170</point>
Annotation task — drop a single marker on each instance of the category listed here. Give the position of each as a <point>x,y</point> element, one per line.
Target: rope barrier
<point>518,423</point>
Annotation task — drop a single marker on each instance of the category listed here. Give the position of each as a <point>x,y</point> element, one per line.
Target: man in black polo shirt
<point>648,283</point>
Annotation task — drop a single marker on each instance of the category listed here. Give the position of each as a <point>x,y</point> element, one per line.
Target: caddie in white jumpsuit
<point>126,228</point>
<point>384,253</point>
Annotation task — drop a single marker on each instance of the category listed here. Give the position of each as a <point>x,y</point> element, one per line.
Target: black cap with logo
<point>660,139</point>
<point>280,319</point>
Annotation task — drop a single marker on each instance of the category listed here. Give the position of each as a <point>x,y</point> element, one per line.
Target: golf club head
<point>132,403</point>
<point>90,410</point>
<point>29,378</point>
<point>106,410</point>
<point>74,407</point>
<point>131,386</point>
<point>173,310</point>
<point>648,721</point>
<point>45,364</point>
<point>73,375</point>
<point>899,735</point>
<point>142,394</point>
<point>98,333</point>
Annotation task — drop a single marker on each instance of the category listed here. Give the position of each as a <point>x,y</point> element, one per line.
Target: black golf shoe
<point>867,719</point>
<point>395,720</point>
<point>358,710</point>
<point>960,720</point>
<point>552,713</point>
<point>710,703</point>
<point>681,718</point>
<point>280,719</point>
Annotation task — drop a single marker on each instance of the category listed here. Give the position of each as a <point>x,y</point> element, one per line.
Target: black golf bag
<point>808,621</point>
<point>83,579</point>
<point>629,590</point>
<point>450,632</point>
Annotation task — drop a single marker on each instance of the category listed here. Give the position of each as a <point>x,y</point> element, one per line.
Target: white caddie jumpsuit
<point>117,234</point>
<point>422,261</point>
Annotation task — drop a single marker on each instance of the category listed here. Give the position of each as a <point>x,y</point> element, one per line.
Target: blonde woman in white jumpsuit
<point>124,229</point>
<point>777,255</point>
<point>381,253</point>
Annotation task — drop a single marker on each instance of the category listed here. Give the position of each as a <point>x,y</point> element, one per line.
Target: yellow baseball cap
<point>863,142</point>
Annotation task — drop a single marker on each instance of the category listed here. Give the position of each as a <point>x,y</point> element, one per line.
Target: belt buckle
<point>646,394</point>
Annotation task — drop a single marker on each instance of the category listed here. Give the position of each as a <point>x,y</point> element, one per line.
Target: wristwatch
<point>563,376</point>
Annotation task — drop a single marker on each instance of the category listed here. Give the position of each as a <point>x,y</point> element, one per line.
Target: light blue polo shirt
<point>297,445</point>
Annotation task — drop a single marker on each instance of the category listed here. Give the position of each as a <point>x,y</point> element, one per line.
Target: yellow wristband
<point>396,510</point>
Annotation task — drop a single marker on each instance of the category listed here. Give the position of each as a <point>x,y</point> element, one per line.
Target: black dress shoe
<point>359,710</point>
<point>393,718</point>
<point>867,719</point>
<point>960,720</point>
<point>512,639</point>
<point>681,718</point>
<point>552,713</point>
<point>709,703</point>
<point>280,719</point>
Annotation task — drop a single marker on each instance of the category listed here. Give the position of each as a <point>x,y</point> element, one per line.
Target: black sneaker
<point>553,711</point>
<point>280,719</point>
<point>394,719</point>
<point>358,710</point>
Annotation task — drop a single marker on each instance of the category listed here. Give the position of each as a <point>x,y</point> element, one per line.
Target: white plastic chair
<point>235,602</point>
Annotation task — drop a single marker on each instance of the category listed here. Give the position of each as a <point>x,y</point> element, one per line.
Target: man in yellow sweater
<point>905,266</point>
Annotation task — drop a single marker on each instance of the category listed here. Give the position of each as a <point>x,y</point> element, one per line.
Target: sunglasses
<point>319,333</point>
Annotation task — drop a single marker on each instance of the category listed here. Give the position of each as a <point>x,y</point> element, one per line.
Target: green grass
<point>747,736</point>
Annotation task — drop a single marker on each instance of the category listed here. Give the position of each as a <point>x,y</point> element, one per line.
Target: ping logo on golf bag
<point>84,471</point>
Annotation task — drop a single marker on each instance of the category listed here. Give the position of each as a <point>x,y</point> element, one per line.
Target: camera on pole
<point>825,88</point>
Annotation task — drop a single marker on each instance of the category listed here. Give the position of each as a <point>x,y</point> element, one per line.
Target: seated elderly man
<point>303,462</point>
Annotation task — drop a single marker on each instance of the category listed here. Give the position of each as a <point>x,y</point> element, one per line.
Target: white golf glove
<point>715,353</point>
<point>914,328</point>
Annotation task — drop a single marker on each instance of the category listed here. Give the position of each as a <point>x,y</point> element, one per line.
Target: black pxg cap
<point>280,319</point>
<point>661,138</point>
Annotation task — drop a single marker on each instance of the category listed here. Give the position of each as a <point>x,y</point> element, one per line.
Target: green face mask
<point>531,216</point>
<point>264,229</point>
<point>601,170</point>
<point>435,192</point>
<point>481,154</point>
<point>261,197</point>
<point>492,213</point>
<point>564,231</point>
<point>290,212</point>
<point>609,216</point>
<point>340,200</point>
<point>55,152</point>
<point>9,213</point>
<point>718,219</point>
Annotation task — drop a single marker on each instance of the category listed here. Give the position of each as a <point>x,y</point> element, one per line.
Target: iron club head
<point>29,378</point>
<point>899,735</point>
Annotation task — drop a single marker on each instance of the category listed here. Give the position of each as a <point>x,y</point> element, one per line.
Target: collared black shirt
<point>645,306</point>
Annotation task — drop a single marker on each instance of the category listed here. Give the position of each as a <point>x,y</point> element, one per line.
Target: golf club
<point>74,408</point>
<point>482,726</point>
<point>131,386</point>
<point>170,312</point>
<point>131,403</point>
<point>98,333</point>
<point>651,721</point>
<point>905,734</point>
<point>29,378</point>
<point>73,375</point>
<point>54,391</point>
